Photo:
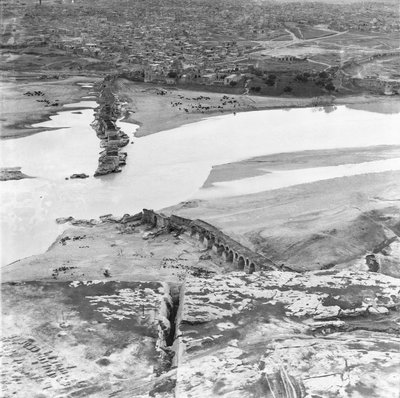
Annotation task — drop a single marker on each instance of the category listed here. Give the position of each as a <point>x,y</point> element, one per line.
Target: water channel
<point>169,167</point>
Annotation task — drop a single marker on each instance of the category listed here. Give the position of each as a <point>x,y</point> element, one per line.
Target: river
<point>166,168</point>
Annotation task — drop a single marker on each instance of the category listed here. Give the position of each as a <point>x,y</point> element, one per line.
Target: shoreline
<point>149,105</point>
<point>226,206</point>
<point>46,118</point>
<point>153,112</point>
<point>21,112</point>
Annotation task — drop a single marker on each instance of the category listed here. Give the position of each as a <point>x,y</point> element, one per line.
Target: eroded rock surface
<point>187,323</point>
<point>283,334</point>
<point>385,259</point>
<point>82,339</point>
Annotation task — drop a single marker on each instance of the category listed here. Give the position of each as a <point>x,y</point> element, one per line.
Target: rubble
<point>264,335</point>
<point>112,138</point>
<point>79,175</point>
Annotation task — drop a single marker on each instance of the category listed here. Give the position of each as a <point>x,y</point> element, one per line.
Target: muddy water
<point>166,168</point>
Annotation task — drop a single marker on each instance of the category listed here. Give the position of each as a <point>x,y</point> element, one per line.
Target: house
<point>209,78</point>
<point>232,79</point>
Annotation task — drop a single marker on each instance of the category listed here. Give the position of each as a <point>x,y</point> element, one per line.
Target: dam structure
<point>212,238</point>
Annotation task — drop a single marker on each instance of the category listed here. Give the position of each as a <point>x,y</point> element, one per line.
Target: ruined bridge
<point>214,239</point>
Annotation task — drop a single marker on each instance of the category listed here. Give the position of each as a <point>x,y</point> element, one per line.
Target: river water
<point>169,167</point>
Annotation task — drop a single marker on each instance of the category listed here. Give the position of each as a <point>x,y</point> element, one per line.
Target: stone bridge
<point>369,58</point>
<point>213,239</point>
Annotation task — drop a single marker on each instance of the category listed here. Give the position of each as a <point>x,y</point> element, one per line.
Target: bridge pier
<point>202,240</point>
<point>215,248</point>
<point>227,255</point>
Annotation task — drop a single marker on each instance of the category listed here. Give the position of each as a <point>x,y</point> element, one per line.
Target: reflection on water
<point>326,108</point>
<point>162,169</point>
<point>387,107</point>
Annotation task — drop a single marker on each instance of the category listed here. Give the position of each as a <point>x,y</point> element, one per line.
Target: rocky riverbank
<point>112,138</point>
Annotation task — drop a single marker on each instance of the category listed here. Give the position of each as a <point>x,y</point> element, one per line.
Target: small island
<point>12,173</point>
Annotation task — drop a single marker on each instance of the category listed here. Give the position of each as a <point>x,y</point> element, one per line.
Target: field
<point>308,32</point>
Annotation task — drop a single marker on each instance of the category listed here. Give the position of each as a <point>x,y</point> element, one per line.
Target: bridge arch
<point>241,263</point>
<point>201,237</point>
<point>252,268</point>
<point>210,241</point>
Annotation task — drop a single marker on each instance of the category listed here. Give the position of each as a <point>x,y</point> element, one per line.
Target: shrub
<point>329,86</point>
<point>257,89</point>
<point>323,75</point>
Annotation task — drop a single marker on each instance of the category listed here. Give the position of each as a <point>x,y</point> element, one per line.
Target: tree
<point>253,70</point>
<point>329,86</point>
<point>323,75</point>
<point>270,81</point>
<point>172,74</point>
<point>288,89</point>
<point>301,78</point>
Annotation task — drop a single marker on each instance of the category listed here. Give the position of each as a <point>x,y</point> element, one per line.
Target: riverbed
<point>169,167</point>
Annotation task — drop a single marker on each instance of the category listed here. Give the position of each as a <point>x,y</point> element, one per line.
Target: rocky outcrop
<point>282,334</point>
<point>12,173</point>
<point>92,338</point>
<point>385,258</point>
<point>106,218</point>
<point>79,175</point>
<point>112,138</point>
<point>269,333</point>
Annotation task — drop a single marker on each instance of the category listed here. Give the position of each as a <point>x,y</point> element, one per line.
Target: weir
<point>212,238</point>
